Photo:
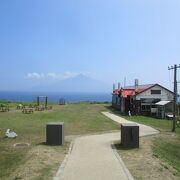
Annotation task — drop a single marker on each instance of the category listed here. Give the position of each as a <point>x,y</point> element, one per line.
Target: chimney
<point>136,85</point>
<point>119,85</point>
<point>114,86</point>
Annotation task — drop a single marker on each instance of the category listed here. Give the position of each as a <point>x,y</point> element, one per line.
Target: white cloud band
<point>35,75</point>
<point>52,75</point>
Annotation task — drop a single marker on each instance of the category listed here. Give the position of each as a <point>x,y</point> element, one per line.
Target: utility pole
<point>175,94</point>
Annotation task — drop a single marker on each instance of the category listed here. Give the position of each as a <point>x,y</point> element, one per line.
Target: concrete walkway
<point>143,129</point>
<point>93,158</point>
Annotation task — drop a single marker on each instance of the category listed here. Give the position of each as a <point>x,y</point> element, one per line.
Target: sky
<point>108,40</point>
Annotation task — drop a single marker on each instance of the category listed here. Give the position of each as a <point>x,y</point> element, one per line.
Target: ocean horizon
<point>55,96</point>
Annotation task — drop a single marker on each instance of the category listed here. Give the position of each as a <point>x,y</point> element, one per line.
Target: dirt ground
<point>142,164</point>
<point>42,162</point>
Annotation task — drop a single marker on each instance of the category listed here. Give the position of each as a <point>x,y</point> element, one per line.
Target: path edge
<point>125,169</point>
<point>63,164</point>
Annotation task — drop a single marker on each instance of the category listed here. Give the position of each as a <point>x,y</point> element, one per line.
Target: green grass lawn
<point>167,148</point>
<point>78,118</point>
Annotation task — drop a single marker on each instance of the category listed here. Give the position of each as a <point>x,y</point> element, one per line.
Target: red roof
<point>127,92</point>
<point>130,91</point>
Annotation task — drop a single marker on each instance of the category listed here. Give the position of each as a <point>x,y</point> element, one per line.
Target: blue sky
<point>42,40</point>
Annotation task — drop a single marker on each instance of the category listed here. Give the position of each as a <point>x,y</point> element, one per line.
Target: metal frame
<point>40,97</point>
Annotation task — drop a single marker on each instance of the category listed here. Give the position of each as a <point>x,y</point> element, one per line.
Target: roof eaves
<point>146,89</point>
<point>153,86</point>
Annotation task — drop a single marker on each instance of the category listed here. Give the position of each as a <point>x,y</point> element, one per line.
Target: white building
<point>141,99</point>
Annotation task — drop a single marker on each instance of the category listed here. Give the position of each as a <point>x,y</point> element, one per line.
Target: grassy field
<point>160,124</point>
<point>167,148</point>
<point>158,154</point>
<point>163,125</point>
<point>164,147</point>
<point>36,161</point>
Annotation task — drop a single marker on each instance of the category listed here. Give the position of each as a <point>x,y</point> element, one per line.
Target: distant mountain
<point>80,83</point>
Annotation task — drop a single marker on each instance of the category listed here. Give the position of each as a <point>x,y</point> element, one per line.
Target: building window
<point>149,100</point>
<point>145,108</point>
<point>155,91</point>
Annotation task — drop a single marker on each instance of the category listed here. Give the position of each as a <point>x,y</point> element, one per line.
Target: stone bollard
<point>55,133</point>
<point>129,135</point>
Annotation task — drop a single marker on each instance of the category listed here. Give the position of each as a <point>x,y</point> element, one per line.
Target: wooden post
<point>37,100</point>
<point>46,100</point>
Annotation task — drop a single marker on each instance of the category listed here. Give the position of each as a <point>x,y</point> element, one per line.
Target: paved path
<point>93,158</point>
<point>143,129</point>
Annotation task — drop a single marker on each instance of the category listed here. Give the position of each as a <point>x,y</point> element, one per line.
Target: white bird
<point>10,134</point>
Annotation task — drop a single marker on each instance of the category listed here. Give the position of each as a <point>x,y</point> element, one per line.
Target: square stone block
<point>129,135</point>
<point>55,133</point>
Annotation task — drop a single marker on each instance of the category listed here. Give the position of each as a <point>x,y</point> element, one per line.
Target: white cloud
<point>52,75</point>
<point>35,75</point>
<point>64,75</point>
<point>69,74</point>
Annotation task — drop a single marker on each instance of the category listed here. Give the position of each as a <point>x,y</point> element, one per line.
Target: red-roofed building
<point>140,99</point>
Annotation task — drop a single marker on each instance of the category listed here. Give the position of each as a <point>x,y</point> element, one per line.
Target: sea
<point>56,96</point>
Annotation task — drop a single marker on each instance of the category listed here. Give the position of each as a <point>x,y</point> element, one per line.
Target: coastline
<point>55,96</point>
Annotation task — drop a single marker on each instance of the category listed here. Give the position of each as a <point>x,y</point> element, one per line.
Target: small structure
<point>164,109</point>
<point>39,107</point>
<point>129,113</point>
<point>48,107</point>
<point>140,99</point>
<point>62,101</point>
<point>21,144</point>
<point>19,106</point>
<point>42,97</point>
<point>55,133</point>
<point>129,135</point>
<point>4,108</point>
<point>31,106</point>
<point>27,110</point>
<point>10,134</point>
